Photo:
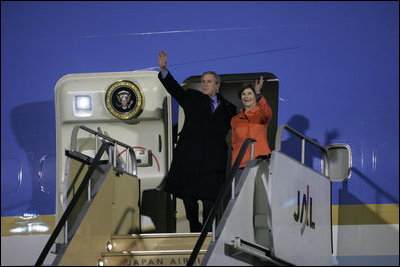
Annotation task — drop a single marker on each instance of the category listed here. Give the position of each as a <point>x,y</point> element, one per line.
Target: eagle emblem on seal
<point>124,98</point>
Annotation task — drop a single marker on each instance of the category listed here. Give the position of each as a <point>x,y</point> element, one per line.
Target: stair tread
<point>149,252</point>
<point>157,241</point>
<point>158,235</point>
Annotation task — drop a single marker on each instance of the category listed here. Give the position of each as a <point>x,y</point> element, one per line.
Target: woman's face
<point>248,98</point>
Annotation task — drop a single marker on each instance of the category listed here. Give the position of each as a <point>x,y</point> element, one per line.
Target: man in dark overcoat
<point>198,168</point>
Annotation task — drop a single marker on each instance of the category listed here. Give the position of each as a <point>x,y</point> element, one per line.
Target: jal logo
<point>306,206</point>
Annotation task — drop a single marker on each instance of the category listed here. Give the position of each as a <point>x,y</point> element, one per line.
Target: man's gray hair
<point>217,78</point>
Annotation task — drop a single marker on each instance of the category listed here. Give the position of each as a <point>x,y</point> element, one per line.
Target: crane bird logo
<point>307,206</point>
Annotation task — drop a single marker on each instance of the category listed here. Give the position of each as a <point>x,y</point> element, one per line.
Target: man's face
<point>209,85</point>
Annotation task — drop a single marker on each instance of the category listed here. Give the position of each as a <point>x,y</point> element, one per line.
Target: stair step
<point>151,242</point>
<point>150,258</point>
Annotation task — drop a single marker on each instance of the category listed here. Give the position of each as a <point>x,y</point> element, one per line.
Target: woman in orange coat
<point>251,122</point>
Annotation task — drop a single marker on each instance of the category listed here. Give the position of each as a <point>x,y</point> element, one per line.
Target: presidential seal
<point>124,100</point>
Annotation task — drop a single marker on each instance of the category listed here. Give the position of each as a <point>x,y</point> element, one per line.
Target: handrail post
<point>110,158</point>
<point>252,151</point>
<point>95,144</point>
<point>133,160</point>
<point>233,188</point>
<point>66,232</point>
<point>213,231</point>
<point>126,161</point>
<point>89,190</point>
<point>115,155</point>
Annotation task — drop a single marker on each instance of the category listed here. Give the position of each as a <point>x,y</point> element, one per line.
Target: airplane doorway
<point>230,84</point>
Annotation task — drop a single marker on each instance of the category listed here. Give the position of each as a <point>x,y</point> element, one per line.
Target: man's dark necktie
<point>212,105</point>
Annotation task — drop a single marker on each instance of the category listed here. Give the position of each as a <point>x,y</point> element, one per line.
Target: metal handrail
<point>219,201</point>
<point>304,139</point>
<point>112,140</point>
<point>72,204</point>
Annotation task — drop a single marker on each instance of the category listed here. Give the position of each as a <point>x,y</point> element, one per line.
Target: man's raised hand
<point>162,60</point>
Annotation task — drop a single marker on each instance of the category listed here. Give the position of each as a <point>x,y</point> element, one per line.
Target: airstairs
<point>278,213</point>
<point>102,220</point>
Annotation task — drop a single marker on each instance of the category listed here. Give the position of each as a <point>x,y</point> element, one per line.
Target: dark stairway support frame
<point>104,147</point>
